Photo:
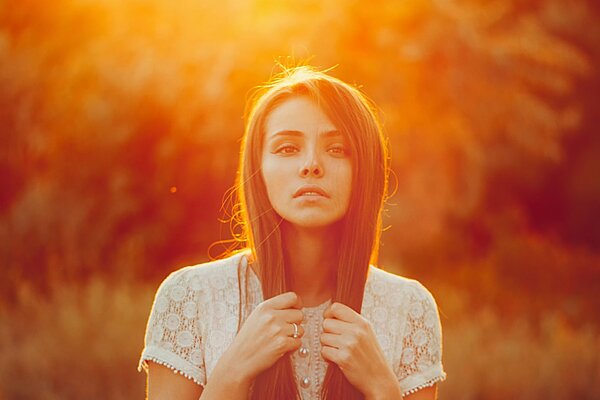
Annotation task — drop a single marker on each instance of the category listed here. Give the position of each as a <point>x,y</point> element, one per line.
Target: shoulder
<point>216,273</point>
<point>398,290</point>
<point>379,277</point>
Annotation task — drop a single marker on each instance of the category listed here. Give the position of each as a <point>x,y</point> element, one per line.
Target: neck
<point>311,261</point>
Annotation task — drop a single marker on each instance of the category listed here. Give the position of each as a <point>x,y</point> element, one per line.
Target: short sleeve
<point>172,333</point>
<point>421,359</point>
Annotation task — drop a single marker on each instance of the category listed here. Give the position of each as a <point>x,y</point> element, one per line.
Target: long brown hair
<point>356,117</point>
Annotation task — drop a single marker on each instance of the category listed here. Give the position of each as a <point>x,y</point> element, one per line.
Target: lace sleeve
<point>421,359</point>
<point>172,334</point>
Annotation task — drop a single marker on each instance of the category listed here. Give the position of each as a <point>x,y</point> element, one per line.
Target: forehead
<point>298,113</point>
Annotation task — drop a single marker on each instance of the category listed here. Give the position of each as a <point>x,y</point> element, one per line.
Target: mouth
<point>310,191</point>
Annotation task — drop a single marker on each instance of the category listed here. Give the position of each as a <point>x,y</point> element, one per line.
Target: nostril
<point>306,171</point>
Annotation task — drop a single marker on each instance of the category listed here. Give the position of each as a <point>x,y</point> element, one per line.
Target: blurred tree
<point>120,123</point>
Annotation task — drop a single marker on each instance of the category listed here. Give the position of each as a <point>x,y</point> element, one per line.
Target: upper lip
<point>310,188</point>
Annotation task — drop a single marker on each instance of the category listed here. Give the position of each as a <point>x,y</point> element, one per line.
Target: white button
<point>305,382</point>
<point>303,351</point>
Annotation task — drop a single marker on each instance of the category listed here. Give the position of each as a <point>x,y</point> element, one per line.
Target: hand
<point>266,336</point>
<point>349,341</point>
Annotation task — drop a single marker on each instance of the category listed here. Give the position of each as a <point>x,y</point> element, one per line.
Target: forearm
<point>392,394</point>
<point>217,389</point>
<point>227,381</point>
<point>388,389</point>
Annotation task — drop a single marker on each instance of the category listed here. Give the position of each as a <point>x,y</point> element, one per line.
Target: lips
<point>310,190</point>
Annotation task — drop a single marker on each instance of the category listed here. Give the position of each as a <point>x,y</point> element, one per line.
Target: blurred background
<point>120,124</point>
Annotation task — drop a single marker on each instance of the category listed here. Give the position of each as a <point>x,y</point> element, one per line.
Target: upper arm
<point>164,384</point>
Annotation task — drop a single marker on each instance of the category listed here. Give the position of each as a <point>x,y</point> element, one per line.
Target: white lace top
<point>196,311</point>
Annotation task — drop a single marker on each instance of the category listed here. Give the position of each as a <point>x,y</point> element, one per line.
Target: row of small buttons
<point>303,352</point>
<point>310,365</point>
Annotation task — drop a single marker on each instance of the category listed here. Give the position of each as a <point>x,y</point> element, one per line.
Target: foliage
<point>108,107</point>
<point>81,342</point>
<point>120,124</point>
<point>488,358</point>
<point>84,342</point>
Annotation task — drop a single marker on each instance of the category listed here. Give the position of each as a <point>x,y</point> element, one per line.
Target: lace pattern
<point>421,343</point>
<point>196,312</point>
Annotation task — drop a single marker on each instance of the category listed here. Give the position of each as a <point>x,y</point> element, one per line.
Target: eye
<point>286,149</point>
<point>338,150</point>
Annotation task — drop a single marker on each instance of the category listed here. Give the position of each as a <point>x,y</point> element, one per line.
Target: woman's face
<point>306,166</point>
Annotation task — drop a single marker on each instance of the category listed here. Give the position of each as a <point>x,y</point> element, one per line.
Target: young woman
<point>301,311</point>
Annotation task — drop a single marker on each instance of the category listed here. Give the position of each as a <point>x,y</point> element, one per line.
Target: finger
<point>342,312</point>
<point>290,315</point>
<point>299,304</point>
<point>283,301</point>
<point>331,340</point>
<point>290,344</point>
<point>338,327</point>
<point>334,355</point>
<point>290,329</point>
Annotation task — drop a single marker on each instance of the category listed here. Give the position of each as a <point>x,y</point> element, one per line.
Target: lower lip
<point>309,197</point>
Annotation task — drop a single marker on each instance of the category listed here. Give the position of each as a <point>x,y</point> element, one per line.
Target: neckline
<point>318,307</point>
<point>255,276</point>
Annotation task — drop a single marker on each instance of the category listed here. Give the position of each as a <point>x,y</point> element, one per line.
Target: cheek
<point>341,175</point>
<point>267,175</point>
<point>273,175</point>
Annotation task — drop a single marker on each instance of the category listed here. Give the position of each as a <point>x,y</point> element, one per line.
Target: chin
<point>313,221</point>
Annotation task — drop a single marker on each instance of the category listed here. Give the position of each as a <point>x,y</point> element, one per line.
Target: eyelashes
<point>338,150</point>
<point>286,149</point>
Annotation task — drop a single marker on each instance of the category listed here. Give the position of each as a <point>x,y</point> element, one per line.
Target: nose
<point>311,167</point>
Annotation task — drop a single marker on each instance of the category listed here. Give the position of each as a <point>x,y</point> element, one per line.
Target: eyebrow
<point>332,133</point>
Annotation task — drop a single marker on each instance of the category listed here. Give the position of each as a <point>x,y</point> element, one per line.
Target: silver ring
<point>296,334</point>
